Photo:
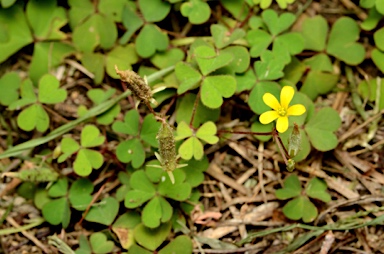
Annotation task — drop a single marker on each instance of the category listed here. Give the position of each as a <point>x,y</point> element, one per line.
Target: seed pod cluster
<point>136,84</point>
<point>167,147</point>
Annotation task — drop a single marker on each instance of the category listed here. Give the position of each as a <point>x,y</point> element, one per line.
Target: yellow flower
<point>281,110</point>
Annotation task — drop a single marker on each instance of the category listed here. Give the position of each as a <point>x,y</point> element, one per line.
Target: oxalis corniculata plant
<point>109,174</point>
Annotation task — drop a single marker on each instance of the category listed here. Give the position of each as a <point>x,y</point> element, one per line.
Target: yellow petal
<point>296,110</point>
<point>271,101</point>
<point>282,124</point>
<point>286,96</point>
<point>268,117</point>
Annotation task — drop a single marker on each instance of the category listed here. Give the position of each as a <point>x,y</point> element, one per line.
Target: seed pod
<point>167,149</point>
<point>294,142</point>
<point>35,175</point>
<point>136,84</point>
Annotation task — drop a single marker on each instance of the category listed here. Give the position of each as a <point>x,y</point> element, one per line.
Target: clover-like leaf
<point>152,238</point>
<point>197,11</point>
<point>276,24</point>
<point>320,129</point>
<point>86,160</point>
<point>181,244</point>
<point>208,61</point>
<point>90,136</point>
<point>33,117</point>
<point>49,91</point>
<point>46,19</point>
<point>100,244</point>
<point>130,126</point>
<point>180,190</point>
<point>300,208</point>
<point>143,190</point>
<point>84,246</point>
<point>194,171</point>
<point>131,150</point>
<point>131,21</point>
<point>214,88</point>
<point>317,189</point>
<point>168,58</point>
<point>157,211</point>
<point>188,76</point>
<point>123,228</point>
<point>372,20</point>
<point>241,59</point>
<point>222,37</point>
<point>315,31</point>
<point>192,147</point>
<point>16,33</point>
<point>149,130</point>
<point>342,41</point>
<point>183,131</point>
<point>94,62</point>
<point>150,40</point>
<point>207,132</point>
<point>256,96</point>
<point>80,194</point>
<point>154,10</point>
<point>59,188</point>
<point>292,188</point>
<point>57,212</point>
<point>238,9</point>
<point>378,59</point>
<point>68,147</point>
<point>121,56</point>
<point>269,68</point>
<point>105,212</point>
<point>9,85</point>
<point>259,41</point>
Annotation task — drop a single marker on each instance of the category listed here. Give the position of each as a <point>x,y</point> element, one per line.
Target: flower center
<point>282,111</point>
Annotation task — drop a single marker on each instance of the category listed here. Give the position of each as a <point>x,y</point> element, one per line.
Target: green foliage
<point>35,116</point>
<point>9,85</point>
<point>373,4</point>
<point>98,244</point>
<point>300,207</point>
<point>378,52</point>
<point>193,147</point>
<point>158,210</point>
<point>373,90</point>
<point>197,11</point>
<point>86,159</point>
<point>264,4</point>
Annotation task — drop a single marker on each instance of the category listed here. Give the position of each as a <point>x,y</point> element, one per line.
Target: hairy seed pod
<point>35,175</point>
<point>136,84</point>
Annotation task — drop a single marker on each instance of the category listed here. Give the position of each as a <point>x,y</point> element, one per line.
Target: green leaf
<point>59,188</point>
<point>371,92</point>
<point>84,248</point>
<point>46,56</point>
<point>90,136</point>
<point>87,159</point>
<point>100,244</point>
<point>194,171</point>
<point>378,37</point>
<point>94,62</point>
<point>131,21</point>
<point>150,40</point>
<point>270,67</point>
<point>152,238</point>
<point>139,250</point>
<point>317,189</point>
<point>33,117</point>
<point>156,211</point>
<point>154,10</point>
<point>131,150</point>
<point>238,9</point>
<point>342,41</point>
<point>130,126</point>
<point>112,8</point>
<point>292,188</point>
<point>68,147</point>
<point>207,132</point>
<point>318,82</point>
<point>57,212</point>
<point>80,194</point>
<point>121,56</point>
<point>315,31</point>
<point>300,207</point>
<point>46,19</point>
<point>98,30</point>
<point>378,59</point>
<point>7,3</point>
<point>320,129</point>
<point>108,116</point>
<point>105,212</point>
<point>197,11</point>
<point>208,61</point>
<point>259,40</point>
<point>183,131</point>
<point>305,147</point>
<point>143,190</point>
<point>149,130</point>
<point>222,37</point>
<point>372,20</point>
<point>49,91</point>
<point>167,58</point>
<point>259,127</point>
<point>181,244</point>
<point>9,85</point>
<point>192,147</point>
<point>292,42</point>
<point>276,24</point>
<point>15,32</point>
<point>179,190</point>
<point>188,76</point>
<point>123,228</point>
<point>214,88</point>
<point>241,59</point>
